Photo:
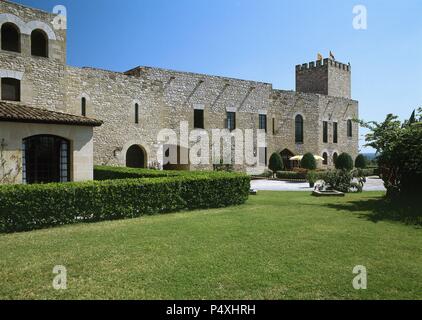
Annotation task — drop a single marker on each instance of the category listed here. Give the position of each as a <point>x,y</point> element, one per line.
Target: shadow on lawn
<point>380,209</point>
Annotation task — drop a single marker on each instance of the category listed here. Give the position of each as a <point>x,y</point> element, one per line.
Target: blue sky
<point>258,40</point>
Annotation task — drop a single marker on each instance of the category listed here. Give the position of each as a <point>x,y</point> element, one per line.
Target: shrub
<point>364,172</point>
<point>276,163</point>
<point>344,162</point>
<point>340,180</point>
<point>312,176</point>
<point>308,161</point>
<point>28,207</point>
<point>360,162</point>
<point>290,175</point>
<point>112,173</point>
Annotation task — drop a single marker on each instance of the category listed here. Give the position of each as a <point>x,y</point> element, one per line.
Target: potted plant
<point>312,177</point>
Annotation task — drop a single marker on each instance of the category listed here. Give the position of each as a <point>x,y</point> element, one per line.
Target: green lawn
<point>279,245</point>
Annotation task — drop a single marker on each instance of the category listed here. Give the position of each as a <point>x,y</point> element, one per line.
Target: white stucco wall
<point>80,137</point>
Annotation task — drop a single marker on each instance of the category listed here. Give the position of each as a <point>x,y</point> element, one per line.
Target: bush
<point>290,175</point>
<point>344,162</point>
<point>29,207</point>
<point>308,162</point>
<point>365,172</point>
<point>276,163</point>
<point>340,180</point>
<point>360,162</point>
<point>312,176</point>
<point>112,173</point>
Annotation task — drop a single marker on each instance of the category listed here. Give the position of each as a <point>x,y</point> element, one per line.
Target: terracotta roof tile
<point>13,112</point>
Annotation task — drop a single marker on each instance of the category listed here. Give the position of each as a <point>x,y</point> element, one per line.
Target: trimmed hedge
<point>308,162</point>
<point>360,161</point>
<point>344,162</point>
<point>29,207</point>
<point>112,173</point>
<point>291,175</point>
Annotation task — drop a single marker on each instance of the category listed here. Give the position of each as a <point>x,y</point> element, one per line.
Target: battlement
<point>327,77</point>
<point>322,64</point>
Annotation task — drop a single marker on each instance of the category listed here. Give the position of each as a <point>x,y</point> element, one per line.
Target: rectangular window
<point>335,132</point>
<point>273,126</point>
<point>136,113</point>
<point>198,119</point>
<point>10,89</point>
<point>325,131</point>
<point>231,120</point>
<point>263,122</point>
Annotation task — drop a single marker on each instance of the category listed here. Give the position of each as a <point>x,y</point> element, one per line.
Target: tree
<point>276,163</point>
<point>344,162</point>
<point>308,161</point>
<point>360,162</point>
<point>399,149</point>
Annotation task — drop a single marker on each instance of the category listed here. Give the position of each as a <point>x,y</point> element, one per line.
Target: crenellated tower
<point>327,77</point>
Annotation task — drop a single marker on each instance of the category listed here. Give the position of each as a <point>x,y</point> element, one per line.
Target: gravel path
<point>372,184</point>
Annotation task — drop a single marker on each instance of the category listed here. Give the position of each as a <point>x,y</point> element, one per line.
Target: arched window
<point>349,128</point>
<point>325,156</point>
<point>83,106</point>
<point>39,43</point>
<point>136,113</point>
<point>335,156</point>
<point>46,158</point>
<point>10,38</point>
<point>10,89</point>
<point>299,129</point>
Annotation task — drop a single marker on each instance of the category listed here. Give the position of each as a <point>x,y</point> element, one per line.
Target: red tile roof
<point>14,112</point>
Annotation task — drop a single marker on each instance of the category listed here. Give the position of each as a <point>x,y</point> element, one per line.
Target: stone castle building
<point>135,105</point>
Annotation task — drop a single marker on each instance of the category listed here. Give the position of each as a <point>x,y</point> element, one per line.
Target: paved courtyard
<point>372,184</point>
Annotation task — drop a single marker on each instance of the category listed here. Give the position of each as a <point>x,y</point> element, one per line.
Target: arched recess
<point>335,156</point>
<point>33,25</point>
<point>39,43</point>
<point>45,159</point>
<point>299,128</point>
<point>178,158</point>
<point>325,157</point>
<point>10,37</point>
<point>136,157</point>
<point>286,154</point>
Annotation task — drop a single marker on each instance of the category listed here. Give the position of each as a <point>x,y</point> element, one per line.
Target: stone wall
<point>111,97</point>
<point>327,77</point>
<point>166,98</point>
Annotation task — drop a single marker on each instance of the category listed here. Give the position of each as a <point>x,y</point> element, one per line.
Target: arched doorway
<point>46,158</point>
<point>286,154</point>
<point>136,157</point>
<point>182,162</point>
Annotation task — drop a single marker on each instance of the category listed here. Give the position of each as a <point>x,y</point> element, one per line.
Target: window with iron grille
<point>45,159</point>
